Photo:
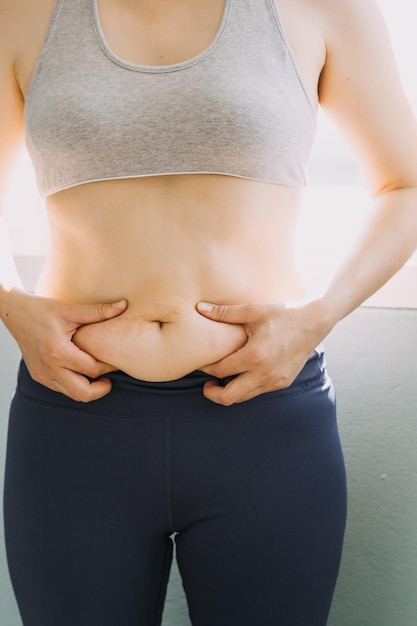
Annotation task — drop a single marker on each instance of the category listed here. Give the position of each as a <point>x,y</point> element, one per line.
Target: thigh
<point>268,550</point>
<point>84,502</point>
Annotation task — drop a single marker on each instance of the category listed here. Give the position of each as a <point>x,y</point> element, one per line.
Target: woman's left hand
<point>281,337</point>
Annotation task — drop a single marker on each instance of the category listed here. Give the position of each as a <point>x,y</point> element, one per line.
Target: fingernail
<point>119,305</point>
<point>205,307</point>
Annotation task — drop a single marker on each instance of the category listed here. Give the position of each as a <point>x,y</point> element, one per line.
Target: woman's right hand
<point>43,329</point>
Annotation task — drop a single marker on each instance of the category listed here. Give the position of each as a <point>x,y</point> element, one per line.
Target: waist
<point>182,237</point>
<point>164,245</point>
<point>160,349</point>
<point>161,336</point>
<point>159,399</point>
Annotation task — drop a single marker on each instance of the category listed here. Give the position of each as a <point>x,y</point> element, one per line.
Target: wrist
<point>5,295</point>
<point>327,311</point>
<point>8,300</point>
<point>320,315</point>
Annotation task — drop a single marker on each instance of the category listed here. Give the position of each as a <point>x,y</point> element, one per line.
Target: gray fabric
<point>238,108</point>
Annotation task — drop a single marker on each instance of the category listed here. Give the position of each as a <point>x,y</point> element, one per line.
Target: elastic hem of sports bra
<point>157,69</point>
<point>99,180</point>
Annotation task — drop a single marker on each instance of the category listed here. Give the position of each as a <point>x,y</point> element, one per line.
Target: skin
<point>164,244</point>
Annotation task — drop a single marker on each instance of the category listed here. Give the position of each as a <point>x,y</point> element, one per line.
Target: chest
<point>160,33</point>
<point>166,33</point>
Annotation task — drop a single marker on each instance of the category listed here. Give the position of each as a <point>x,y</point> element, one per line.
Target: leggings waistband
<point>157,398</point>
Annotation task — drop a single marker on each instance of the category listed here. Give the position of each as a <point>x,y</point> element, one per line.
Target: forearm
<point>387,241</point>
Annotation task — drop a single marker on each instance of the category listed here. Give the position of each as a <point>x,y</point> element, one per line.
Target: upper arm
<point>361,90</point>
<point>11,101</point>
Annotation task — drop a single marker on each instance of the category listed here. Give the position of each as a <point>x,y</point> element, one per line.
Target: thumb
<point>91,313</point>
<point>229,313</point>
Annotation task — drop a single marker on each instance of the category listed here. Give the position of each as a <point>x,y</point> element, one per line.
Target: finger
<point>79,388</point>
<point>229,313</point>
<point>240,389</point>
<point>235,363</point>
<point>92,313</point>
<point>79,361</point>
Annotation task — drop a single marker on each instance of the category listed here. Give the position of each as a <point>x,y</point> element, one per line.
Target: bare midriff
<point>165,243</point>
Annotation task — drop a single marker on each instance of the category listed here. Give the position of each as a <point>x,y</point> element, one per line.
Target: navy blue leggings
<point>254,495</point>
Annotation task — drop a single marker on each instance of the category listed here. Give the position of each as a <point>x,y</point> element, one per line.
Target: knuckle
<point>84,395</point>
<point>94,371</point>
<point>283,381</point>
<point>44,377</point>
<point>221,312</point>
<point>101,311</point>
<point>53,351</point>
<point>227,398</point>
<point>259,355</point>
<point>55,354</point>
<point>216,371</point>
<point>265,377</point>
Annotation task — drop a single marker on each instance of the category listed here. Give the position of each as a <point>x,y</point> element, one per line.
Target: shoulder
<point>23,29</point>
<point>337,11</point>
<point>347,23</point>
<point>22,20</point>
<point>335,18</point>
<point>357,41</point>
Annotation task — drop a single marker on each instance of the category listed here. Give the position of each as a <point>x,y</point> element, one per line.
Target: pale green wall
<point>373,360</point>
<point>374,363</point>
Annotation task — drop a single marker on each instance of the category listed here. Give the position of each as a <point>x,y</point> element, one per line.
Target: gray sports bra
<point>238,108</point>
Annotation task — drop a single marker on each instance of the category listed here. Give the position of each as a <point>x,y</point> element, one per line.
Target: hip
<point>135,399</point>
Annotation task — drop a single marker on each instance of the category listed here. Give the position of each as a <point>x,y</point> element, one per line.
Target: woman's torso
<point>167,242</point>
